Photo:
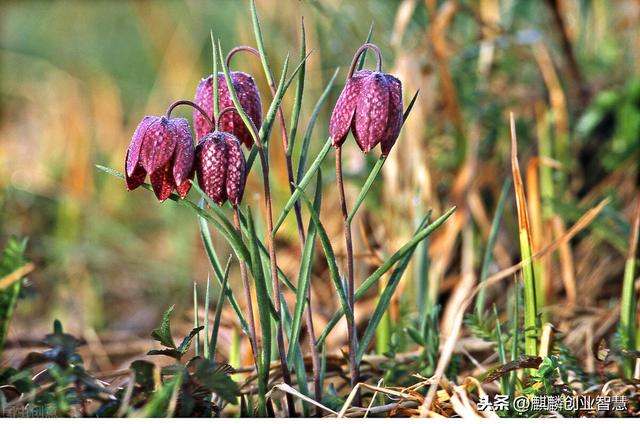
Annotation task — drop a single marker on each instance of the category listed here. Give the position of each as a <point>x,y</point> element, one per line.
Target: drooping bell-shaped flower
<point>370,105</point>
<point>162,148</point>
<point>249,97</point>
<point>221,167</point>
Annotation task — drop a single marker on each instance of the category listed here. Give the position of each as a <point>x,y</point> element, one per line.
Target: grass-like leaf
<point>329,255</point>
<point>306,141</point>
<point>12,260</point>
<point>302,184</point>
<point>386,266</point>
<point>216,320</point>
<point>385,297</point>
<point>215,264</point>
<point>304,275</point>
<point>377,167</point>
<point>491,242</point>
<point>297,101</point>
<point>264,313</point>
<point>232,237</point>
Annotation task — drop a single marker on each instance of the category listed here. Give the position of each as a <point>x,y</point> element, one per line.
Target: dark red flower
<point>249,97</point>
<point>163,149</point>
<point>221,167</point>
<point>370,105</point>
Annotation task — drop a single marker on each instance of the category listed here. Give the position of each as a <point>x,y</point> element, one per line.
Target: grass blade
<point>196,319</point>
<point>329,255</point>
<point>382,269</point>
<point>500,345</point>
<point>364,54</point>
<point>304,276</point>
<point>377,168</point>
<point>297,102</point>
<point>531,321</point>
<point>628,307</point>
<point>217,268</point>
<point>236,243</point>
<point>385,297</point>
<point>214,63</point>
<point>306,141</point>
<point>302,184</point>
<point>216,320</point>
<point>491,242</point>
<point>264,312</point>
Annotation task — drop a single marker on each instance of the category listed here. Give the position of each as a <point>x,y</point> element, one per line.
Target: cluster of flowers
<point>370,106</point>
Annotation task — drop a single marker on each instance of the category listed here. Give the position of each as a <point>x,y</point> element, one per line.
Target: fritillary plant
<point>215,156</point>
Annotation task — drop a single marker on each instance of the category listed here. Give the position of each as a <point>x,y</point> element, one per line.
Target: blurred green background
<point>77,76</point>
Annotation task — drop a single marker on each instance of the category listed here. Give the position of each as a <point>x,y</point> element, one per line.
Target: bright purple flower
<point>163,149</point>
<point>249,97</point>
<point>370,105</point>
<point>221,167</point>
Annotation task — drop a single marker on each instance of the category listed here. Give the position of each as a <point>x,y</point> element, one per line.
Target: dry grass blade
<point>290,390</point>
<point>14,276</point>
<point>449,345</point>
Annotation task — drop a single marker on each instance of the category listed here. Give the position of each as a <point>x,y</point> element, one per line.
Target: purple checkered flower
<point>162,148</point>
<point>221,167</point>
<point>249,97</point>
<point>370,106</point>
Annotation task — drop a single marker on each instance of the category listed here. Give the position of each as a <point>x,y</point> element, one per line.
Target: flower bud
<point>249,97</point>
<point>221,167</point>
<point>163,149</point>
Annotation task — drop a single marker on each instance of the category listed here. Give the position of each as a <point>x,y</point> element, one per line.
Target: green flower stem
<point>247,292</point>
<point>353,364</point>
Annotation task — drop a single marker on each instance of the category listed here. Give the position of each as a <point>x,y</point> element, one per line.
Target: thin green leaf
<point>302,184</point>
<point>376,168</point>
<point>264,312</point>
<point>297,102</point>
<point>306,141</point>
<point>385,297</point>
<point>216,319</point>
<point>504,382</point>
<point>232,238</point>
<point>214,63</point>
<point>160,405</point>
<point>491,242</point>
<point>382,269</point>
<point>217,268</point>
<point>329,255</point>
<point>186,342</point>
<point>304,276</point>
<point>364,54</point>
<point>207,302</point>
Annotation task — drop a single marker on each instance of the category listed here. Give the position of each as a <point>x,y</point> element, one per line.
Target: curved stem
<point>351,323</point>
<point>247,290</point>
<point>193,105</point>
<point>359,52</point>
<point>297,210</point>
<point>222,112</point>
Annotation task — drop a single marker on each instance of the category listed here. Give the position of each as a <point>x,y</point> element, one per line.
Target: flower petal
<point>136,178</point>
<point>211,166</point>
<point>184,153</point>
<point>158,145</point>
<point>249,96</point>
<point>133,152</point>
<point>236,170</point>
<point>372,109</point>
<point>394,121</point>
<point>204,99</point>
<point>343,112</point>
<point>162,183</point>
